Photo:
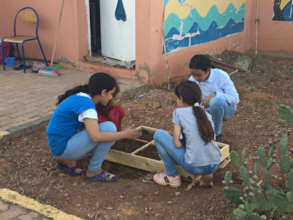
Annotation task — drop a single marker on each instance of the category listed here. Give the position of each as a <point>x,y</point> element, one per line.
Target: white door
<point>118,33</point>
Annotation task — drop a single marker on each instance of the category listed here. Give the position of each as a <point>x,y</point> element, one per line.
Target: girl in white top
<point>192,145</point>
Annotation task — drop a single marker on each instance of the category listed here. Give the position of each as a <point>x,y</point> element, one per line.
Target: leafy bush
<point>258,199</point>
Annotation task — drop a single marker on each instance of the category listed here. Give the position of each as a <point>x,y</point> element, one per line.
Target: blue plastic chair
<point>26,14</point>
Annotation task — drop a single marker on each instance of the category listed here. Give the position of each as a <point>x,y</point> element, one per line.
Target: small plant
<point>258,199</point>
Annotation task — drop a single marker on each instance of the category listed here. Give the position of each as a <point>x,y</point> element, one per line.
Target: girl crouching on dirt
<point>73,131</point>
<point>113,111</point>
<point>192,146</point>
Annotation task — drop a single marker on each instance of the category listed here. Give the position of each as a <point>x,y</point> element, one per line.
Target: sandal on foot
<point>104,176</point>
<point>165,180</point>
<point>71,171</point>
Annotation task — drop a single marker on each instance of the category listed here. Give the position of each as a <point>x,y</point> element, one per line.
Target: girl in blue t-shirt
<point>74,132</point>
<point>192,145</point>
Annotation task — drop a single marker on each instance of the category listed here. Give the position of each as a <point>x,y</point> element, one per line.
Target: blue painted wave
<point>173,21</point>
<point>214,32</point>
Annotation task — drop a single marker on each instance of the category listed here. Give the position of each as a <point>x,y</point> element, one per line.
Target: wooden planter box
<point>133,159</point>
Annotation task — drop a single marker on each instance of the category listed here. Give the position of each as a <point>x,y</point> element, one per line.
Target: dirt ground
<point>27,167</point>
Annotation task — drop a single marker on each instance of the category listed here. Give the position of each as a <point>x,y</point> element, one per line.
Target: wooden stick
<point>213,59</point>
<point>141,140</point>
<point>150,129</point>
<point>57,32</point>
<point>143,147</point>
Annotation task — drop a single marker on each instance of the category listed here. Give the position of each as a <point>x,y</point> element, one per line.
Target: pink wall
<point>178,61</point>
<point>69,36</point>
<point>273,35</point>
<point>150,63</point>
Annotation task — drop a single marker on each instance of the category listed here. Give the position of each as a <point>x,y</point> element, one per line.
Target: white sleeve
<point>90,113</point>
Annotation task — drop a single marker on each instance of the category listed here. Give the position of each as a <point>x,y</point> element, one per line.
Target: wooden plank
<point>135,161</point>
<point>153,130</point>
<point>140,162</point>
<point>143,147</point>
<point>225,150</point>
<point>153,165</point>
<point>141,140</point>
<point>27,15</point>
<point>225,162</point>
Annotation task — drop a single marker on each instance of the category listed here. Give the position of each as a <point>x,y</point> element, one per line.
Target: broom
<point>49,70</point>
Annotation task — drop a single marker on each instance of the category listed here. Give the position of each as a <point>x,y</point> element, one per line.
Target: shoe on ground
<point>165,180</point>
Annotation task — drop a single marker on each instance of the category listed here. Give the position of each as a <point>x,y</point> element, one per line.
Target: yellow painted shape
<point>3,133</point>
<point>202,6</point>
<point>35,206</point>
<point>284,3</point>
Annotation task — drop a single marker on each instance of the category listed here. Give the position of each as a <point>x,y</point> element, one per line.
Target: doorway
<point>112,35</point>
<point>95,26</point>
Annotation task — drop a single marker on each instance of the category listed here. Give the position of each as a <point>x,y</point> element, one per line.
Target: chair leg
<point>42,51</point>
<point>3,56</point>
<point>18,53</point>
<point>23,58</point>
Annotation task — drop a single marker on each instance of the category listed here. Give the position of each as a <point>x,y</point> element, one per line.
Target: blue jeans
<point>80,145</point>
<point>172,156</point>
<point>220,110</point>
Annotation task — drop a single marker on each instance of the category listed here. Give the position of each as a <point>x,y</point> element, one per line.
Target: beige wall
<point>151,65</point>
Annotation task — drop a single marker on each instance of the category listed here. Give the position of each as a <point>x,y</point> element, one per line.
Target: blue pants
<point>172,156</point>
<point>80,145</point>
<point>220,110</point>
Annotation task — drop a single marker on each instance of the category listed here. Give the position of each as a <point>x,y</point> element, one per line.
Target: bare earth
<point>27,167</point>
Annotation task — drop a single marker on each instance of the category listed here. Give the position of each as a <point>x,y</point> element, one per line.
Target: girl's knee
<point>216,102</point>
<point>158,134</point>
<point>108,126</point>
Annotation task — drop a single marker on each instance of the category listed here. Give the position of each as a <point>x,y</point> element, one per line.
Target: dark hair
<point>96,84</point>
<point>104,110</point>
<point>201,62</point>
<point>190,93</point>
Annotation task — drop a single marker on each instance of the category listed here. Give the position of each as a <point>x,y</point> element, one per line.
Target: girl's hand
<point>132,133</point>
<point>207,100</point>
<point>177,144</point>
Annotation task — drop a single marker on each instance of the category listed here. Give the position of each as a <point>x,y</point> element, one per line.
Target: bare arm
<point>176,135</point>
<point>92,127</point>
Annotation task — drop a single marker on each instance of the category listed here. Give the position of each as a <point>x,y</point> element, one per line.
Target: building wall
<point>151,64</point>
<point>71,43</point>
<point>273,35</point>
<point>176,63</point>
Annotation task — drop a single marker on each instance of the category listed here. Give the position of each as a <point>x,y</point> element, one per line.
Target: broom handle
<point>57,32</point>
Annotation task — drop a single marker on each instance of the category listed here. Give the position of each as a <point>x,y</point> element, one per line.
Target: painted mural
<point>283,10</point>
<point>191,22</point>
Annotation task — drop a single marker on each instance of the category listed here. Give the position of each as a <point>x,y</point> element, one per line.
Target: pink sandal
<point>165,180</point>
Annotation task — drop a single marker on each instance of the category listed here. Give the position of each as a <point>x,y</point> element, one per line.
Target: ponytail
<point>77,89</point>
<point>190,94</point>
<point>205,128</point>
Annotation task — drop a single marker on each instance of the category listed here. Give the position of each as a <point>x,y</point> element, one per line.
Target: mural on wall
<point>283,10</point>
<point>191,22</point>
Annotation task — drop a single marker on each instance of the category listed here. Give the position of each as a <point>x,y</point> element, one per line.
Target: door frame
<point>87,3</point>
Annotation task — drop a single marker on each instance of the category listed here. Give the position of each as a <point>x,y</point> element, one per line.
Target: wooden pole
<point>57,32</point>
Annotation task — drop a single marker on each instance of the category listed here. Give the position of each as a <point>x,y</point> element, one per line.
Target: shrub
<point>258,199</point>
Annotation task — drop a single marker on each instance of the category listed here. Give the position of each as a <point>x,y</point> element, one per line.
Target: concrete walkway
<point>26,100</point>
<point>30,97</point>
<point>14,206</point>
